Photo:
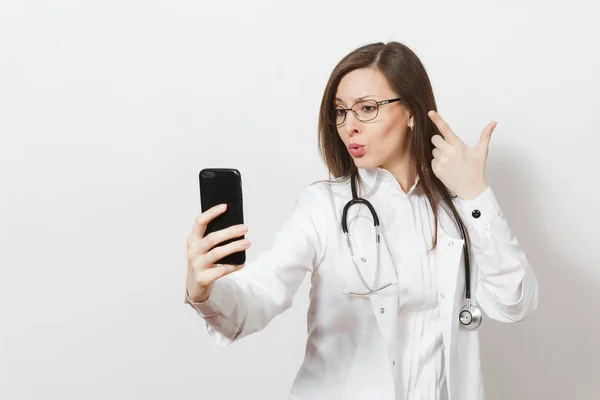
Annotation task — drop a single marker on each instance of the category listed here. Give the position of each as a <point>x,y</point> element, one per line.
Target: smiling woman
<point>450,253</point>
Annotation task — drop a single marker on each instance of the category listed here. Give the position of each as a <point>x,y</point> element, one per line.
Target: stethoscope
<point>470,316</point>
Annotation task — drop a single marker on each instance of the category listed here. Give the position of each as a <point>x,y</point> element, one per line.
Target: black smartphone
<point>223,186</point>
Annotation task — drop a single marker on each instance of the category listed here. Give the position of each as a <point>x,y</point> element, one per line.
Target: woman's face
<point>385,140</point>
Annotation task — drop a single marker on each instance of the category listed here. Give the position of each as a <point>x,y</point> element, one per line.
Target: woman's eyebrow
<point>357,99</point>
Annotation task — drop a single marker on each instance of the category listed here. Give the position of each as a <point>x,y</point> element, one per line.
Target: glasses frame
<point>379,103</point>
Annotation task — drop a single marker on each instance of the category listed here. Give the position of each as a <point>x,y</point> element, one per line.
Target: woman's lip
<point>357,151</point>
<point>355,146</point>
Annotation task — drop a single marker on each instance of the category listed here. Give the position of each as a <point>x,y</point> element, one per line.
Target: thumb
<point>486,135</point>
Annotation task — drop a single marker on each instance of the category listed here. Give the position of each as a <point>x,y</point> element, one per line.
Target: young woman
<point>401,275</point>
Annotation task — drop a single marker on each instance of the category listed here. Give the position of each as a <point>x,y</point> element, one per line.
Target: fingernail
<point>222,206</point>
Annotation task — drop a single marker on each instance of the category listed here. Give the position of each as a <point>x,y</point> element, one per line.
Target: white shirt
<point>354,350</point>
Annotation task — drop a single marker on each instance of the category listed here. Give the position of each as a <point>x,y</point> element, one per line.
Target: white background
<point>108,110</point>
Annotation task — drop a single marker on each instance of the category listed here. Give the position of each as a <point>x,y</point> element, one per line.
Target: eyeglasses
<point>366,110</point>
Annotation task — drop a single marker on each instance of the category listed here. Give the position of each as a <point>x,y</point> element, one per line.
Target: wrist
<point>197,297</point>
<point>472,192</point>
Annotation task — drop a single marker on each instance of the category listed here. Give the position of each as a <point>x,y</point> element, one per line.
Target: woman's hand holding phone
<point>202,253</point>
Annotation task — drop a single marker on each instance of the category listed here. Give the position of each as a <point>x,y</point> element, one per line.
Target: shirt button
<point>394,363</point>
<point>382,310</point>
<point>442,295</point>
<point>476,213</point>
<point>450,244</point>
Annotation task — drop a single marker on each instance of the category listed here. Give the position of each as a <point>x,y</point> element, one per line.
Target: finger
<point>215,238</point>
<point>210,275</point>
<point>203,219</point>
<point>200,257</point>
<point>434,167</point>
<point>442,125</point>
<point>221,251</point>
<point>439,142</point>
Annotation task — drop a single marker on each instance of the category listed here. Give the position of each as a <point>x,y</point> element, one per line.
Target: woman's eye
<point>339,112</point>
<point>368,109</point>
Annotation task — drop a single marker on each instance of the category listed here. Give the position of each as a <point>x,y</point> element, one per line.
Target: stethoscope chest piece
<point>470,317</point>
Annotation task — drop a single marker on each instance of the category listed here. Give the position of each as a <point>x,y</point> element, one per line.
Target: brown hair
<point>406,75</point>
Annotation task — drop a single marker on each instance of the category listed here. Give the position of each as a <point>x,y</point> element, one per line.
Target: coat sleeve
<point>506,288</point>
<point>245,301</point>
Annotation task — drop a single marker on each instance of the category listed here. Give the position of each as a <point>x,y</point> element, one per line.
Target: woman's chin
<point>364,163</point>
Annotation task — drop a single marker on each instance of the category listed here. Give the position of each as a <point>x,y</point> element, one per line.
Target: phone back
<point>223,186</point>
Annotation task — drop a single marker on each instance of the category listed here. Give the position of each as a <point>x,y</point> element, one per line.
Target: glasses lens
<point>339,115</point>
<point>365,110</point>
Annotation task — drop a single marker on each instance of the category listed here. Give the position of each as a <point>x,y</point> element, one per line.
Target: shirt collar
<point>373,177</point>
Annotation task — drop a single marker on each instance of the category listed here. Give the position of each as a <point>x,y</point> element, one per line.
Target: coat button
<point>476,213</point>
<point>442,295</point>
<point>394,363</point>
<point>450,244</point>
<point>363,259</point>
<point>382,310</point>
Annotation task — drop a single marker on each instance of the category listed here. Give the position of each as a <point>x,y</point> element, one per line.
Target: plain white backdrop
<point>108,110</point>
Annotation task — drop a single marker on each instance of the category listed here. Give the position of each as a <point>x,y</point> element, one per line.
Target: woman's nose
<point>351,125</point>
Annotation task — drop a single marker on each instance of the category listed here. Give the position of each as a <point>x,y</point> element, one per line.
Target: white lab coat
<point>346,354</point>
